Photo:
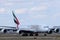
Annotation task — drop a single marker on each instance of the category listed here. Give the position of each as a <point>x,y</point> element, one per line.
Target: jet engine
<point>19,32</point>
<point>4,31</point>
<point>56,30</point>
<point>49,32</point>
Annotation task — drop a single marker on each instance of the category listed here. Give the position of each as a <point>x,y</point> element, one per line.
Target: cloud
<point>2,1</point>
<point>54,4</point>
<point>2,10</point>
<point>56,16</point>
<point>15,0</point>
<point>39,8</point>
<point>8,4</point>
<point>21,11</point>
<point>39,16</point>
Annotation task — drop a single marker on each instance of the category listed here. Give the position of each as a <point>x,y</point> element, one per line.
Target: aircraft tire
<point>45,34</point>
<point>31,34</point>
<point>24,34</point>
<point>36,34</point>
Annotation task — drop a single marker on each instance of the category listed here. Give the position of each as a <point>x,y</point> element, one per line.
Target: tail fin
<point>15,19</point>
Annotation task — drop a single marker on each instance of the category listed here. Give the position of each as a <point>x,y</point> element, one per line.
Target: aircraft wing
<point>7,27</point>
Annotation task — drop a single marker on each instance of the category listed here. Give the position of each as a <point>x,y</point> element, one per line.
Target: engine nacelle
<point>20,32</point>
<point>4,31</point>
<point>50,32</point>
<point>56,30</point>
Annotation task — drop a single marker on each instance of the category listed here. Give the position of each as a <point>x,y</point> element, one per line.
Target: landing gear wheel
<point>45,34</point>
<point>25,34</point>
<point>31,34</point>
<point>36,34</point>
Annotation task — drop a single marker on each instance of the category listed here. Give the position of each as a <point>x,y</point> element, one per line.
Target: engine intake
<point>5,31</point>
<point>56,30</point>
<point>50,32</point>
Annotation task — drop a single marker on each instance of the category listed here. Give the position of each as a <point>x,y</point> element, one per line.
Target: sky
<point>30,12</point>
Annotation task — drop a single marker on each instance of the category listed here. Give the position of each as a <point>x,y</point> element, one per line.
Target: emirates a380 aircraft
<point>27,30</point>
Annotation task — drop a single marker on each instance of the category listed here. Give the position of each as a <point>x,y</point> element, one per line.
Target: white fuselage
<point>35,28</point>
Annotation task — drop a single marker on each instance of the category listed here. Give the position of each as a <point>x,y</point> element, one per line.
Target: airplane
<point>27,30</point>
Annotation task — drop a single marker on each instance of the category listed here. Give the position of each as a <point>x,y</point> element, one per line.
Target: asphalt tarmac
<point>19,37</point>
